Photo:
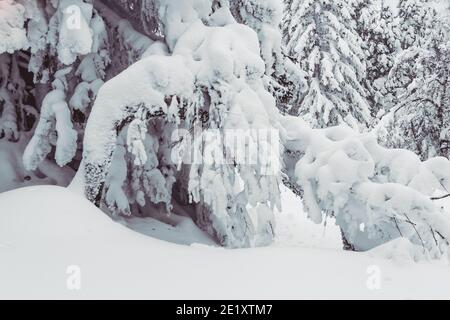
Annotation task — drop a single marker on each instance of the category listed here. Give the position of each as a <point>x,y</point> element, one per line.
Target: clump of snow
<point>147,83</point>
<point>70,28</point>
<point>177,15</point>
<point>12,30</point>
<point>54,127</point>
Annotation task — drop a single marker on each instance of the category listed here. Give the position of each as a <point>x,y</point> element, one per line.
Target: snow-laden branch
<point>375,194</point>
<point>214,70</point>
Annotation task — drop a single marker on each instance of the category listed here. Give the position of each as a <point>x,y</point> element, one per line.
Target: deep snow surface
<point>44,230</point>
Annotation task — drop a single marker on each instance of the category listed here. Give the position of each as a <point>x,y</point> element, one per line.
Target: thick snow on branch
<point>375,194</point>
<point>146,83</point>
<point>70,29</point>
<point>213,66</point>
<point>208,68</point>
<point>70,52</point>
<point>12,27</point>
<point>212,70</point>
<point>264,16</point>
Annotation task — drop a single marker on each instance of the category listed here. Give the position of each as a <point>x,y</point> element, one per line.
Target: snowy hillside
<point>54,229</point>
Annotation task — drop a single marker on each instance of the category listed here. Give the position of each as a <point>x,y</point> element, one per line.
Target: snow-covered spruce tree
<point>195,75</point>
<point>375,194</point>
<point>126,171</point>
<point>21,27</point>
<point>415,26</point>
<point>420,120</point>
<point>58,54</point>
<point>210,82</point>
<point>375,25</point>
<point>71,64</point>
<point>365,220</point>
<point>321,36</point>
<point>416,20</point>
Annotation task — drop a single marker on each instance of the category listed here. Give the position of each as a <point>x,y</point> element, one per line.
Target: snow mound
<point>55,229</point>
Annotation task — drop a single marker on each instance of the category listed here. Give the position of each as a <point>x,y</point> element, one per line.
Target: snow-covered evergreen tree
<point>67,49</point>
<point>14,93</point>
<point>146,100</point>
<point>416,20</point>
<point>284,79</point>
<point>321,36</point>
<point>201,83</point>
<point>50,77</point>
<point>420,119</point>
<point>375,25</point>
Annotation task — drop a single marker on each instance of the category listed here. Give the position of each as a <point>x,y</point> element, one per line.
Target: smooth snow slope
<point>43,230</point>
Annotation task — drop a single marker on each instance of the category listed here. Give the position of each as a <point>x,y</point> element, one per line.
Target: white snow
<point>227,61</point>
<point>13,174</point>
<point>13,36</point>
<point>75,35</point>
<point>351,177</point>
<point>55,115</point>
<point>56,228</point>
<point>221,63</point>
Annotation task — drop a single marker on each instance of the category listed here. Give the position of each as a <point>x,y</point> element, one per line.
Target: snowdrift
<point>54,228</point>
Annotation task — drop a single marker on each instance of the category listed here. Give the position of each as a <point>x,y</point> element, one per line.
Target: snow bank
<point>54,229</point>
